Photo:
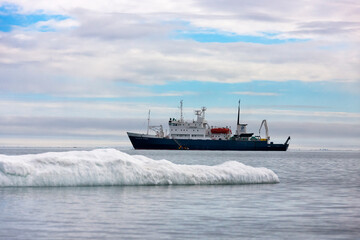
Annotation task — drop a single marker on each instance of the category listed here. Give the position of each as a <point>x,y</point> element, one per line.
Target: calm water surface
<point>317,198</point>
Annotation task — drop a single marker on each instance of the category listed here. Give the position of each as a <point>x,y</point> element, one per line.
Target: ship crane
<point>264,123</point>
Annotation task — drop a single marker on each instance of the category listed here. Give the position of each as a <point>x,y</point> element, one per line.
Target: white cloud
<point>130,42</point>
<point>54,131</point>
<point>256,93</point>
<point>95,63</point>
<point>57,25</point>
<point>114,109</point>
<point>288,19</point>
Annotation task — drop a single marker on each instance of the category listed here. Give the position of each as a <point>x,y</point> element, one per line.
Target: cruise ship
<point>199,135</point>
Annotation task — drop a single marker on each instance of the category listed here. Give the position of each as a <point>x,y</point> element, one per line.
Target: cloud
<point>285,18</point>
<point>113,26</point>
<point>44,131</point>
<point>256,93</point>
<point>291,115</point>
<point>310,107</point>
<point>132,43</point>
<point>80,108</point>
<point>63,57</point>
<point>54,25</point>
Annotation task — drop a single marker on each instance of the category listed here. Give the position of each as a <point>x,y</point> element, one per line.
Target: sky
<point>83,73</point>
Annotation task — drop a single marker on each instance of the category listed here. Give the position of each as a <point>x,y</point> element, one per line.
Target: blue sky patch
<point>209,36</point>
<point>10,18</point>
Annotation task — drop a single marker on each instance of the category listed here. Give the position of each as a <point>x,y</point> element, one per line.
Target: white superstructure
<point>196,129</point>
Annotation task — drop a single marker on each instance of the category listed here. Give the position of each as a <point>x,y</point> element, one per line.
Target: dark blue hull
<point>143,142</point>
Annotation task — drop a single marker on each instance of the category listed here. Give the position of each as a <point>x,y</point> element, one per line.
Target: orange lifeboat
<point>220,130</point>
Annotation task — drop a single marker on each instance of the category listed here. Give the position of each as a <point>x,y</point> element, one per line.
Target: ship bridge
<point>195,129</point>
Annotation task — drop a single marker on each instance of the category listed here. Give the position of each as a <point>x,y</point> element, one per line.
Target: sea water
<point>130,194</point>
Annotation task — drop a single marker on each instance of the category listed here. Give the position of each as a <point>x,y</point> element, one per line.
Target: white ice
<point>103,167</point>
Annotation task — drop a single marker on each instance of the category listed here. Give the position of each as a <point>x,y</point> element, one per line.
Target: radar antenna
<point>203,109</point>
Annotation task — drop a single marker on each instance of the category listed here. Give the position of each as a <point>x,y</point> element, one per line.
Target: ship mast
<point>181,111</point>
<point>148,123</point>
<point>241,127</point>
<point>238,119</point>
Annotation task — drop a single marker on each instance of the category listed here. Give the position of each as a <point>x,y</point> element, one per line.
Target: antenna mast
<point>148,123</point>
<point>181,111</point>
<point>238,119</point>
